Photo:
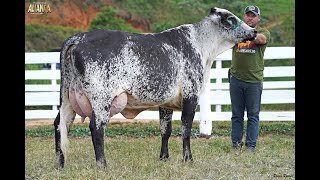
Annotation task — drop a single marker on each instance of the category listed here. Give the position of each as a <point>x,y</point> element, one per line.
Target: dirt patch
<point>65,14</point>
<point>78,14</point>
<point>272,24</point>
<point>43,122</point>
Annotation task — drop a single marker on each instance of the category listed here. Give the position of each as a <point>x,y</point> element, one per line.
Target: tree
<point>107,19</point>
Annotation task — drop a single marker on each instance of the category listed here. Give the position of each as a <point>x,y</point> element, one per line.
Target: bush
<point>107,19</point>
<point>43,38</point>
<point>158,27</point>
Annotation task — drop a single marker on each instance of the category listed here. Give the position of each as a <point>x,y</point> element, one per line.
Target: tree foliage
<point>40,37</point>
<point>107,19</point>
<point>277,15</point>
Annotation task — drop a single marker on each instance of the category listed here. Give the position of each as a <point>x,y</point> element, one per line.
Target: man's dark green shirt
<point>247,59</point>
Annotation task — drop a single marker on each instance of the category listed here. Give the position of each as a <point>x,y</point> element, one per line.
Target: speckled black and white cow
<point>105,72</point>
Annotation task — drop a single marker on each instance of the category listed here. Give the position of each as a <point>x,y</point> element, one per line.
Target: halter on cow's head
<point>230,26</point>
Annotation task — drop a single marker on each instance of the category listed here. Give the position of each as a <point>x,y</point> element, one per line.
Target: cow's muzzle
<point>254,35</point>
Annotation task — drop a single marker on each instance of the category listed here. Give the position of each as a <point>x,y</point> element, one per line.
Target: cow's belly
<point>129,106</point>
<point>134,106</point>
<point>133,103</point>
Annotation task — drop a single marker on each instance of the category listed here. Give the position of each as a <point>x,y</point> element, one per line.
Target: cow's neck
<point>210,41</point>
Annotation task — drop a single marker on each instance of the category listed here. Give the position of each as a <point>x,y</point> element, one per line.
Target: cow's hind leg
<point>188,112</point>
<point>62,122</point>
<point>99,121</point>
<point>97,135</point>
<point>165,130</point>
<point>59,154</point>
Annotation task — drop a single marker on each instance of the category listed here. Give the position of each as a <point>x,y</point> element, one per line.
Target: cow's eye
<point>230,19</point>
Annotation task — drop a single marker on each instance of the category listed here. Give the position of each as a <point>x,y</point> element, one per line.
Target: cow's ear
<point>213,10</point>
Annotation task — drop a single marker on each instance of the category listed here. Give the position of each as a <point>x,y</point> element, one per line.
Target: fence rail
<point>216,92</point>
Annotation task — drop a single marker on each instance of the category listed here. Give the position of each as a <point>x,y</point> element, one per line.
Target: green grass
<point>264,107</point>
<point>137,158</point>
<point>132,152</point>
<point>143,130</point>
<point>166,14</point>
<point>43,38</point>
<point>38,107</point>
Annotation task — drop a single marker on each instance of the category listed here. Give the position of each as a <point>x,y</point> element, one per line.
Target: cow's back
<point>143,65</point>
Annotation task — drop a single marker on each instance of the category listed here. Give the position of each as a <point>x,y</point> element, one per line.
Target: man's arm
<point>260,39</point>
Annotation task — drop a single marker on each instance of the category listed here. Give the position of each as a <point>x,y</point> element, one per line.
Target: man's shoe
<point>237,147</point>
<point>250,149</point>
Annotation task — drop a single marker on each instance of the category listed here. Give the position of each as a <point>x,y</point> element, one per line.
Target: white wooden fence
<point>216,94</point>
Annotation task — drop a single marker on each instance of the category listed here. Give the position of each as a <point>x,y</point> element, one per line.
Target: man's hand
<point>260,39</point>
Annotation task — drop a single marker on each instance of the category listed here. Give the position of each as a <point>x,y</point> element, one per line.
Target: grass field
<point>137,157</point>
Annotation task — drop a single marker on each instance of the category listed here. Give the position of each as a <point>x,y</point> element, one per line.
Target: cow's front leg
<point>188,111</point>
<point>97,135</point>
<point>165,130</point>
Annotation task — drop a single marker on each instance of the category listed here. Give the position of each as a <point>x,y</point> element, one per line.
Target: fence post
<point>218,82</point>
<point>53,81</point>
<point>205,112</point>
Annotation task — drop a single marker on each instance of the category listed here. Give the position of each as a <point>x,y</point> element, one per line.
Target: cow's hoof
<point>101,164</point>
<point>188,158</point>
<point>59,166</point>
<point>164,157</point>
<point>60,161</point>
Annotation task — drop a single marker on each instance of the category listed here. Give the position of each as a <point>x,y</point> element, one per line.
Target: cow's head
<point>230,26</point>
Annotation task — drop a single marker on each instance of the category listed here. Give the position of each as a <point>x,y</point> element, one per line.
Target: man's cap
<point>254,9</point>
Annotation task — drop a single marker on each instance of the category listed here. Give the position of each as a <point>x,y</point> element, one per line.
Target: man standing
<point>246,77</point>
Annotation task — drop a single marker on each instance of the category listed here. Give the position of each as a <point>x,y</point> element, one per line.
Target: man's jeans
<point>245,95</point>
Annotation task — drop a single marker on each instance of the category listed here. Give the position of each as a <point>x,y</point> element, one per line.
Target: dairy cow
<point>105,72</point>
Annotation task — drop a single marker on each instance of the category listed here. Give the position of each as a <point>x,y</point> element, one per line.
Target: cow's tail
<point>67,114</point>
<point>64,142</point>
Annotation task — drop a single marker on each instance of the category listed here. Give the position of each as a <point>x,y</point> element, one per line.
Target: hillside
<point>78,14</point>
<point>47,31</point>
